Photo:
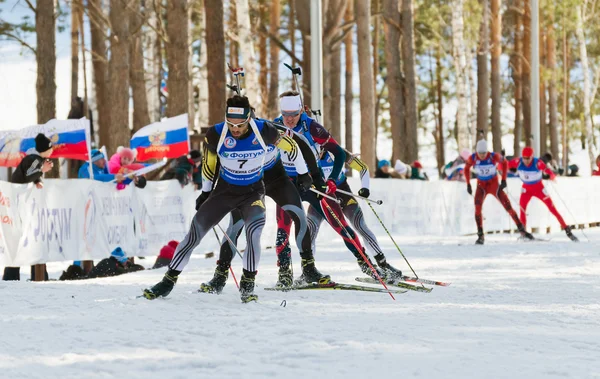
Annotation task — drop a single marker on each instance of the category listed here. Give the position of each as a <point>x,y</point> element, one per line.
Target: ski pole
<point>296,71</point>
<point>568,210</point>
<point>325,195</point>
<point>392,238</point>
<point>379,202</point>
<point>233,246</point>
<point>230,268</point>
<point>362,254</point>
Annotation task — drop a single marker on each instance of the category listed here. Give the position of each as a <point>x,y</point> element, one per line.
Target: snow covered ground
<point>514,310</point>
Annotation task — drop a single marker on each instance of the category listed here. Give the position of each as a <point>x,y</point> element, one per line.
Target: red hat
<point>167,252</point>
<point>417,164</point>
<point>527,152</point>
<point>173,244</point>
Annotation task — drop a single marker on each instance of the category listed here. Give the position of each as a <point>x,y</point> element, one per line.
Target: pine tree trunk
<point>483,75</point>
<point>335,88</point>
<point>516,63</point>
<point>440,148</point>
<point>367,97</point>
<point>100,66</point>
<point>263,79</point>
<point>526,73</point>
<point>192,74</point>
<point>348,92</point>
<point>45,29</point>
<point>141,117</point>
<point>302,10</point>
<point>460,67</point>
<point>543,109</point>
<point>472,97</point>
<point>273,106</point>
<point>202,115</point>
<point>118,71</point>
<point>565,100</point>
<point>552,92</point>
<point>394,76</point>
<point>234,51</point>
<point>74,49</point>
<point>177,57</point>
<point>496,26</point>
<point>292,34</point>
<point>587,87</point>
<point>408,61</point>
<point>151,41</point>
<point>247,53</point>
<point>215,48</point>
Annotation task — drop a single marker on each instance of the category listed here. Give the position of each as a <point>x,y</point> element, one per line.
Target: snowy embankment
<point>514,309</point>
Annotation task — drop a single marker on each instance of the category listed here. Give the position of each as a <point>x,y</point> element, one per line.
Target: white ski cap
<point>481,146</point>
<point>290,103</point>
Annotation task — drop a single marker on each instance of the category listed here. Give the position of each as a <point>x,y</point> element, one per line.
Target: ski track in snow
<point>514,310</point>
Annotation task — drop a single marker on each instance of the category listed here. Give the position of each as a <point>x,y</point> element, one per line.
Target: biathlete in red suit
<point>530,171</point>
<point>487,184</point>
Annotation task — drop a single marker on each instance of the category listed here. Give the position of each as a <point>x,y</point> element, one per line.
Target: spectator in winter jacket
<point>34,165</point>
<point>454,171</point>
<point>383,169</point>
<point>99,169</point>
<point>597,172</point>
<point>166,255</point>
<point>122,161</point>
<point>30,170</point>
<point>417,171</point>
<point>116,264</point>
<point>186,169</point>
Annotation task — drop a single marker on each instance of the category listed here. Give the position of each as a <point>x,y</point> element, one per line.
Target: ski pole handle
<point>379,202</point>
<point>324,195</point>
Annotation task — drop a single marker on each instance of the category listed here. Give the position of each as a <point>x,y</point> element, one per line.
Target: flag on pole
<point>166,139</point>
<point>70,139</point>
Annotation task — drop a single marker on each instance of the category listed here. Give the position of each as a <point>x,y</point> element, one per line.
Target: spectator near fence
<point>30,170</point>
<point>186,170</point>
<point>99,169</point>
<point>597,172</point>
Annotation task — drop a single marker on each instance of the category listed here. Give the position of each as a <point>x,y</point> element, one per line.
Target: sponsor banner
<point>162,215</point>
<point>80,219</point>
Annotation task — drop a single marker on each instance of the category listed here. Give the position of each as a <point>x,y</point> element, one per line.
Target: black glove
<point>502,184</point>
<point>304,182</point>
<point>319,185</point>
<point>201,199</point>
<point>469,189</point>
<point>140,182</point>
<point>364,192</point>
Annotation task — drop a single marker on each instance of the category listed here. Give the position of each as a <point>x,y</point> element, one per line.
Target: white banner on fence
<point>84,219</point>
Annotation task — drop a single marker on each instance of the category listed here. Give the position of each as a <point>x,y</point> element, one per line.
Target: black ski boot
<point>525,234</point>
<point>217,283</point>
<point>164,287</point>
<point>570,234</point>
<point>364,267</point>
<point>480,239</point>
<point>310,274</point>
<point>285,276</point>
<point>390,272</point>
<point>247,287</point>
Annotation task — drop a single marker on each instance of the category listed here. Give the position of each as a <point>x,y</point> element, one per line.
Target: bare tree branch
<point>31,6</point>
<point>277,41</point>
<point>19,40</point>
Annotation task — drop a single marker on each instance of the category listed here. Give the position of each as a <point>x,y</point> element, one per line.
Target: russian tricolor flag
<point>70,139</point>
<point>166,139</point>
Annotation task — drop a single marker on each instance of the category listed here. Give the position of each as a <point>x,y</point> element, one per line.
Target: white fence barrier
<point>83,219</point>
